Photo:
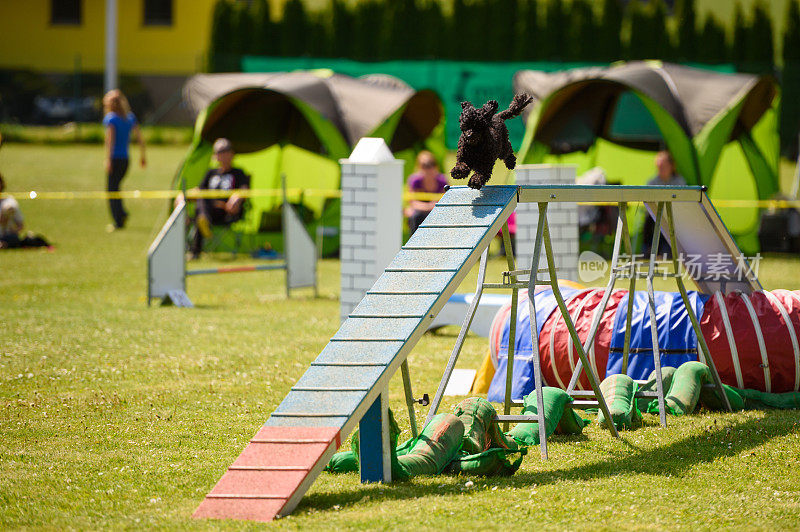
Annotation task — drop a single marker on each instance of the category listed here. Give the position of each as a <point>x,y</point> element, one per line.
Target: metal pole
<point>110,79</point>
<point>651,303</point>
<point>612,278</point>
<point>542,235</point>
<point>626,344</point>
<point>512,325</point>
<point>702,347</point>
<point>576,341</point>
<point>409,397</point>
<point>461,337</point>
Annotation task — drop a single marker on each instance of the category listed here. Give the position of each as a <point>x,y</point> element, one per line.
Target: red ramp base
<point>271,475</point>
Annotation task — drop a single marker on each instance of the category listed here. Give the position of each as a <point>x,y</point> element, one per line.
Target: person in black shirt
<point>219,211</point>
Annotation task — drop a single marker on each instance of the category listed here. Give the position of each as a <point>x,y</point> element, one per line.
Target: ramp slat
<point>380,304</point>
<point>328,404</point>
<point>484,214</point>
<point>412,282</point>
<point>434,237</point>
<point>317,376</point>
<point>491,195</point>
<point>374,352</point>
<point>429,258</point>
<point>377,328</point>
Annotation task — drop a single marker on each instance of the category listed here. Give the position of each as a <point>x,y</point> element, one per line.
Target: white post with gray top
<point>371,218</point>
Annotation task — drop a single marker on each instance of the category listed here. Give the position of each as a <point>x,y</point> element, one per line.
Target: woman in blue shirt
<point>119,122</point>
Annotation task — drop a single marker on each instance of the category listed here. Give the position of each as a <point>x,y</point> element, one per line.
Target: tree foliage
<point>512,30</point>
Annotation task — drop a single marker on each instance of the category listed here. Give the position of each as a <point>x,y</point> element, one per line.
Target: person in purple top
<point>426,178</point>
<point>120,124</point>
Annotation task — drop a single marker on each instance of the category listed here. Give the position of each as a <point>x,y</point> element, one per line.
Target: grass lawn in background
<point>116,415</point>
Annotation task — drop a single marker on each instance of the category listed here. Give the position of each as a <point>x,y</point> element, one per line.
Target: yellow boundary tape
<point>309,192</point>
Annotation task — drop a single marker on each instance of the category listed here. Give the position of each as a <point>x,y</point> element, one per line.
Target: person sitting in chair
<point>219,211</point>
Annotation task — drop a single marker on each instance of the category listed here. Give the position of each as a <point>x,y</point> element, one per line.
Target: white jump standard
<point>166,259</point>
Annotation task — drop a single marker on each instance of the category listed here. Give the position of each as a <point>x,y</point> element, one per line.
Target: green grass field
<point>115,415</point>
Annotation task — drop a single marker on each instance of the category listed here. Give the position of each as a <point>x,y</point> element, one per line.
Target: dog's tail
<point>517,105</point>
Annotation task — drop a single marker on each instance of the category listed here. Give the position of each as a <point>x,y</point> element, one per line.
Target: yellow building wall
<point>28,40</point>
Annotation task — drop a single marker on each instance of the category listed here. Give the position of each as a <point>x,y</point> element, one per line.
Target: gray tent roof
<point>691,96</point>
<point>356,106</point>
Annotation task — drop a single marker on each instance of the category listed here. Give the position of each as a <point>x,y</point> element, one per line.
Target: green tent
<point>720,128</point>
<point>299,124</point>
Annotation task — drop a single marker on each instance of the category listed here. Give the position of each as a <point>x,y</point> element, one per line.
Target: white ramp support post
<point>371,220</point>
<point>299,250</point>
<point>166,262</point>
<point>562,218</point>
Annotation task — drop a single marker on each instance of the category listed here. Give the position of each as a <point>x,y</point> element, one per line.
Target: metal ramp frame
<point>663,213</point>
<point>346,384</point>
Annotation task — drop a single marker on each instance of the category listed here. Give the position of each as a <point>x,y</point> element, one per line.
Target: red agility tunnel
<point>750,341</point>
<point>754,339</point>
<point>556,350</point>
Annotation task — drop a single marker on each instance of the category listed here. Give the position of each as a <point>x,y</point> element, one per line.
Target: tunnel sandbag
<point>481,433</point>
<point>490,463</point>
<point>343,462</point>
<point>710,399</point>
<point>571,423</point>
<point>477,415</point>
<point>619,391</point>
<point>667,373</point>
<point>555,403</point>
<point>431,451</point>
<point>684,392</point>
<point>758,400</point>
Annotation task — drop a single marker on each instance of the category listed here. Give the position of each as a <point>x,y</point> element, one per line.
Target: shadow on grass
<point>675,459</point>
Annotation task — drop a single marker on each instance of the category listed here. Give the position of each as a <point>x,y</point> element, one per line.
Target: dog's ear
<point>489,108</point>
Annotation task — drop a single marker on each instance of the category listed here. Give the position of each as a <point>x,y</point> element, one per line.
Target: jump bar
<point>236,269</point>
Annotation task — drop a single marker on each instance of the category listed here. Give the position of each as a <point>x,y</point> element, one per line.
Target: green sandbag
<point>755,399</point>
<point>477,414</point>
<point>433,449</point>
<point>480,430</point>
<point>684,392</point>
<point>619,391</point>
<point>667,374</point>
<point>343,462</point>
<point>491,463</point>
<point>710,399</point>
<point>555,401</point>
<point>571,423</point>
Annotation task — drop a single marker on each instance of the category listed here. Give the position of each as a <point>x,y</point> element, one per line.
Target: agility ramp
<point>166,258</point>
<point>277,467</point>
<point>345,385</point>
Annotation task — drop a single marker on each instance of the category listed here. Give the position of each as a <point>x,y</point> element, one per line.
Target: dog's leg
<point>478,180</point>
<point>460,170</point>
<point>510,160</point>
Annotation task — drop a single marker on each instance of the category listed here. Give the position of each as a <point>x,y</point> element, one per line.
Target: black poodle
<point>484,139</point>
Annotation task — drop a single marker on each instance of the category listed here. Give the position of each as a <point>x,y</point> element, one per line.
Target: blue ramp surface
<point>356,365</point>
